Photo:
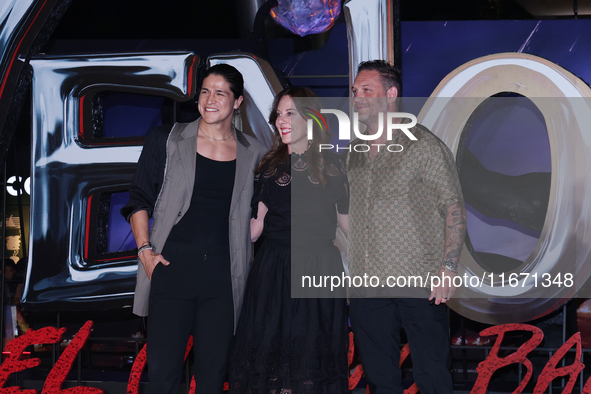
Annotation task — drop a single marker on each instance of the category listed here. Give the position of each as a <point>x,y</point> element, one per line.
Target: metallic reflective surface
<point>12,13</point>
<point>246,12</point>
<point>67,174</point>
<point>20,23</point>
<point>565,242</point>
<point>369,32</point>
<point>303,17</point>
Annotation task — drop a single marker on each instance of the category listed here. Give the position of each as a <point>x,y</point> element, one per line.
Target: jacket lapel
<point>187,152</point>
<point>244,158</point>
<point>187,146</point>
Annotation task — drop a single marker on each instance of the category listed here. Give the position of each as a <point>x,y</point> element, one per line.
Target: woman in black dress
<point>285,344</point>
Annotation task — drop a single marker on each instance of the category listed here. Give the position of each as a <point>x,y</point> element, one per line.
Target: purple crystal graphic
<point>304,17</point>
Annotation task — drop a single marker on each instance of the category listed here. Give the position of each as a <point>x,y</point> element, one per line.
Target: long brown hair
<point>278,155</point>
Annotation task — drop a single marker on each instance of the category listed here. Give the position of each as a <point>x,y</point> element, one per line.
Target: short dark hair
<point>390,75</point>
<point>9,263</point>
<point>230,74</point>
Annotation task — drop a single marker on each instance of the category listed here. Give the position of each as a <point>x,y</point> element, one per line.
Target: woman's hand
<point>257,225</point>
<point>343,222</point>
<point>150,260</point>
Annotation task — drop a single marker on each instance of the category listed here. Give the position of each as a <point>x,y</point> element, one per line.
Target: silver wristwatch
<point>450,265</point>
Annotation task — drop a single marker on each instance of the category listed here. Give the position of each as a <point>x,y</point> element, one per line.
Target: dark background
<point>221,19</point>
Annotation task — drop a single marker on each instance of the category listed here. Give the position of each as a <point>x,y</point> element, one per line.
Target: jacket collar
<point>244,159</point>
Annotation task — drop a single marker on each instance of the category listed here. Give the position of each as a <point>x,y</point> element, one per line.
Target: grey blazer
<point>175,196</point>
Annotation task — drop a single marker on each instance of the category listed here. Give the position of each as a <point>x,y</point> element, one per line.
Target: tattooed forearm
<point>455,229</point>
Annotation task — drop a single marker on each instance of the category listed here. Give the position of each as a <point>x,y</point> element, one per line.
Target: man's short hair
<point>230,74</point>
<point>9,263</point>
<point>390,74</point>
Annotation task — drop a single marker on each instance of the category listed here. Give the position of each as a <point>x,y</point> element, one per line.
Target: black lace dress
<point>298,345</point>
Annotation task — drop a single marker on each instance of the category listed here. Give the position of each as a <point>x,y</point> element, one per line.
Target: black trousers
<point>191,296</point>
<point>376,324</point>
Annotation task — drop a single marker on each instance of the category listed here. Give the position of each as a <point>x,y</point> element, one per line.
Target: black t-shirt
<point>205,225</point>
<point>299,207</point>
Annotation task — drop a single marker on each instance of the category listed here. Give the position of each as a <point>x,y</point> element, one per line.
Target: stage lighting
<point>304,17</point>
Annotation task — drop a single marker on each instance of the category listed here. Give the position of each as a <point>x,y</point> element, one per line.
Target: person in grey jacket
<point>196,182</point>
